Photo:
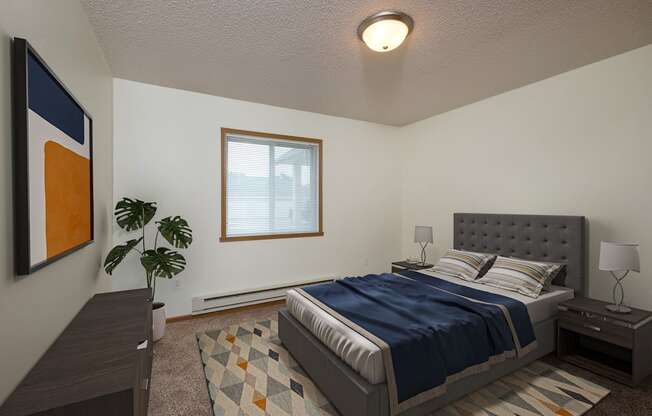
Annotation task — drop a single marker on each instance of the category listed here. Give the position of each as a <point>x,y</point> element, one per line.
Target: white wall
<point>168,150</point>
<point>35,309</point>
<point>579,143</point>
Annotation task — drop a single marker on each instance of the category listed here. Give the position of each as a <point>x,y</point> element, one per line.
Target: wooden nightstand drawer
<point>594,318</point>
<point>597,323</point>
<point>598,329</point>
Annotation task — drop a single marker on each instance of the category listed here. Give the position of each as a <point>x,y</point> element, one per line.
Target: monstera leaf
<point>133,214</point>
<point>118,253</point>
<point>176,231</point>
<point>163,262</point>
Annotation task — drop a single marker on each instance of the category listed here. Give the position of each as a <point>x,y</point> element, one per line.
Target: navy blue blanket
<point>428,329</point>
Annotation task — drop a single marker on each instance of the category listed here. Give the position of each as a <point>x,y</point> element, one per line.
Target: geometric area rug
<point>537,389</point>
<point>249,373</point>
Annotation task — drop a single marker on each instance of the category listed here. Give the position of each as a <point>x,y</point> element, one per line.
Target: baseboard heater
<point>222,301</point>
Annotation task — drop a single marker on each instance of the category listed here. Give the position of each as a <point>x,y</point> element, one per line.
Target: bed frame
<point>535,237</point>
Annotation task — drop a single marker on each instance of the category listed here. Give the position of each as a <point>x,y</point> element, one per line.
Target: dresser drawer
<point>595,327</point>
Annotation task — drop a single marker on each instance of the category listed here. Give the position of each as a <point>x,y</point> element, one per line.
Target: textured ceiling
<point>305,54</point>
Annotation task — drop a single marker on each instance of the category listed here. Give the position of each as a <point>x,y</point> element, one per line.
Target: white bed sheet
<point>365,357</point>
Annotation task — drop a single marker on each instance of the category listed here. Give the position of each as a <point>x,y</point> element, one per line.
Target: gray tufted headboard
<point>554,238</point>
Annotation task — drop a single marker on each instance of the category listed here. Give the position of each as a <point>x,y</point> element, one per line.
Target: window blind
<point>272,186</point>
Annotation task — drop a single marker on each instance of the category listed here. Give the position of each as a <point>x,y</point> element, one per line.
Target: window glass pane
<point>294,197</point>
<point>272,186</point>
<point>248,191</point>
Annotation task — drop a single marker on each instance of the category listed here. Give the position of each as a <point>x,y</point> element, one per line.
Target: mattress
<point>365,357</point>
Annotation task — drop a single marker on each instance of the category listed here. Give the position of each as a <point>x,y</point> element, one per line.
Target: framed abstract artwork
<point>53,165</point>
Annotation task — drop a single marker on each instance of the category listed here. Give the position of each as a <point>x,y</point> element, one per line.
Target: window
<point>271,186</point>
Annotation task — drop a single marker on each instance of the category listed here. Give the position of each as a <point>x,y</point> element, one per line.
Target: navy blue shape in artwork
<point>49,100</point>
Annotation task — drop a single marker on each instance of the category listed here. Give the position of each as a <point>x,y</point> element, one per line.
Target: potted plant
<point>133,215</point>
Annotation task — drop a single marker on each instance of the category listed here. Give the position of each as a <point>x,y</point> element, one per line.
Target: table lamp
<point>619,257</point>
<point>423,236</point>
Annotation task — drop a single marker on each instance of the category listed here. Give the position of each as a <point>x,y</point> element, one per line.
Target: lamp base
<point>618,309</point>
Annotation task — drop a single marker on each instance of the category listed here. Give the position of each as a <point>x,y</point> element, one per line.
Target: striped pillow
<point>463,264</point>
<point>525,277</point>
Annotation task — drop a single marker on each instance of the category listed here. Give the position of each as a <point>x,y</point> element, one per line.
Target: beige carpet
<point>178,383</point>
<point>179,386</point>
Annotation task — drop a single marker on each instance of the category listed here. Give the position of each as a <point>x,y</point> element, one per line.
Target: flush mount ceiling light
<point>385,31</point>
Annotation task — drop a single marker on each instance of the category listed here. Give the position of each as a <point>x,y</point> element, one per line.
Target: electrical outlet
<point>177,283</point>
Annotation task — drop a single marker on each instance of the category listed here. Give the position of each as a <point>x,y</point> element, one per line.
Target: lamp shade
<point>619,256</point>
<point>423,234</point>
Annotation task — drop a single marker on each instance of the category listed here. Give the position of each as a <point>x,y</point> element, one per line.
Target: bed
<point>348,367</point>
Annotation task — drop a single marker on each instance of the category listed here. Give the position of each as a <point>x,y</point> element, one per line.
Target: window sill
<point>270,236</point>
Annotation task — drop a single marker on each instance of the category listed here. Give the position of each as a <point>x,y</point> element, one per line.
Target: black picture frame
<point>21,49</point>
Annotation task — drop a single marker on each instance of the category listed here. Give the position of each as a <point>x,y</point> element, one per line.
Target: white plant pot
<point>158,320</point>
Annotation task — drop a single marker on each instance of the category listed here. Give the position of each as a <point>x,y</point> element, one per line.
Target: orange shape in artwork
<point>242,363</point>
<point>230,338</point>
<point>67,179</point>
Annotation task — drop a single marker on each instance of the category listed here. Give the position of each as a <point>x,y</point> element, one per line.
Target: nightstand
<point>401,266</point>
<point>616,346</point>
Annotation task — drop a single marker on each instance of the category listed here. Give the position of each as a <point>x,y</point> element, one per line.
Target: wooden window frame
<point>223,191</point>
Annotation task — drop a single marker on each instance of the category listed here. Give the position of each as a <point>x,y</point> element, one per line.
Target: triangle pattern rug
<point>249,373</point>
